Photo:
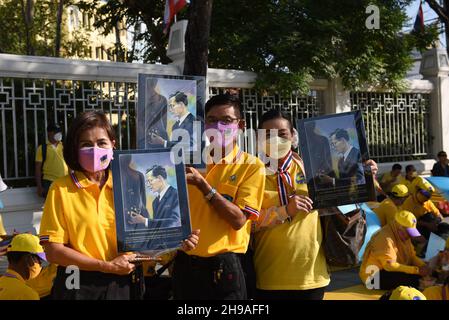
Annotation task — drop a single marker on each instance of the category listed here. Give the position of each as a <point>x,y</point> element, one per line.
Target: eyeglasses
<point>224,121</point>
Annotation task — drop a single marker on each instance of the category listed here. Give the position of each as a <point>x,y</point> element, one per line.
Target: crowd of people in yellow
<point>238,203</point>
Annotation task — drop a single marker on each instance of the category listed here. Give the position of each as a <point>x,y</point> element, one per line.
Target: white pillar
<point>176,44</point>
<point>435,68</point>
<point>337,98</point>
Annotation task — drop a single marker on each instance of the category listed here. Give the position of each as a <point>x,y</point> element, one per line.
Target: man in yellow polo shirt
<point>25,256</point>
<point>390,206</point>
<point>428,215</point>
<point>221,204</point>
<point>392,178</point>
<point>50,164</point>
<point>413,181</point>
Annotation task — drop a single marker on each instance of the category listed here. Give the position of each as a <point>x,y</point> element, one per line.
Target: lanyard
<point>284,179</point>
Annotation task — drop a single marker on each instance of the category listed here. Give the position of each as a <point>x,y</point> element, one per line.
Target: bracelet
<point>211,194</point>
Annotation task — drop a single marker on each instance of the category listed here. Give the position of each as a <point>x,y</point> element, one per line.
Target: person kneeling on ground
<point>390,260</point>
<point>25,256</point>
<point>428,215</point>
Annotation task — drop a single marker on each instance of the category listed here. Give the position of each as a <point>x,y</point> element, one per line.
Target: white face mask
<point>58,136</point>
<point>277,147</point>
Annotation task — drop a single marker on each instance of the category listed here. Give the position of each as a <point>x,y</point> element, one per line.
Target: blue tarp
<point>441,184</point>
<point>372,222</point>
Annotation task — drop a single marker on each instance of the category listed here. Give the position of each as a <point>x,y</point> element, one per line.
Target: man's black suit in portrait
<point>320,156</point>
<point>350,169</point>
<point>178,107</point>
<point>166,213</point>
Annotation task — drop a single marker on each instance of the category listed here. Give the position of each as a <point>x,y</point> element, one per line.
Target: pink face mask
<point>94,159</point>
<point>227,132</point>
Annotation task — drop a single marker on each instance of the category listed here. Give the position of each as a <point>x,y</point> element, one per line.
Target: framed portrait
<point>170,114</point>
<point>150,199</point>
<point>334,150</point>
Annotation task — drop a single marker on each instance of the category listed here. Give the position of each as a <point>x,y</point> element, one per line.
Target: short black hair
<point>53,127</point>
<point>157,170</point>
<point>340,134</point>
<point>224,99</point>
<point>442,154</point>
<point>409,168</point>
<point>274,114</point>
<point>14,257</point>
<point>180,97</point>
<point>396,166</point>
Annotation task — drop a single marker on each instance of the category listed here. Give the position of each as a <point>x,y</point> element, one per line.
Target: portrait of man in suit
<point>179,108</point>
<point>320,155</point>
<point>350,169</point>
<point>165,206</point>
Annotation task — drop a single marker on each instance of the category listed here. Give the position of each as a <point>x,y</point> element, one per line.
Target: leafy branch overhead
<point>286,42</point>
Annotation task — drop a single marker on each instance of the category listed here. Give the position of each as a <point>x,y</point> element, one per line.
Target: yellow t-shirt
<point>386,211</point>
<point>239,178</point>
<point>384,250</point>
<point>419,209</point>
<point>54,165</point>
<point>436,292</point>
<point>77,213</point>
<point>43,283</point>
<point>14,287</point>
<point>289,256</point>
<point>387,177</point>
<point>417,182</point>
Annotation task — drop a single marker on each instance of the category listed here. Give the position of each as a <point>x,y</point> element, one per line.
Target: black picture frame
<point>334,150</point>
<point>131,196</point>
<point>154,118</point>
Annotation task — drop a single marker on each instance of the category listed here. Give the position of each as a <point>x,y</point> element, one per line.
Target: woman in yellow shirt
<point>390,260</point>
<point>288,258</point>
<point>78,224</point>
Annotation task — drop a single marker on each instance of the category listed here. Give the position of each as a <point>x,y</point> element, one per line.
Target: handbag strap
<point>162,269</point>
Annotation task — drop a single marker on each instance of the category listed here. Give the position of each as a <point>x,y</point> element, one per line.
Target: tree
<point>286,42</point>
<point>37,28</point>
<point>28,18</point>
<point>443,14</point>
<point>133,12</point>
<point>58,27</point>
<point>197,37</point>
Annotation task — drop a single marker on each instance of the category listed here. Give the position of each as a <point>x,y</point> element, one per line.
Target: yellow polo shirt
<point>78,214</point>
<point>289,256</point>
<point>420,182</point>
<point>239,178</point>
<point>388,177</point>
<point>436,292</point>
<point>14,287</point>
<point>386,211</point>
<point>43,283</point>
<point>419,209</point>
<point>54,165</point>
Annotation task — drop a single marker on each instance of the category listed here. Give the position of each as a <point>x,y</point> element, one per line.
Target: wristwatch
<point>211,194</point>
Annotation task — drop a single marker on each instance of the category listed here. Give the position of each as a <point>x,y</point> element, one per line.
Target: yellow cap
<point>400,191</point>
<point>407,293</point>
<point>26,242</point>
<point>408,221</point>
